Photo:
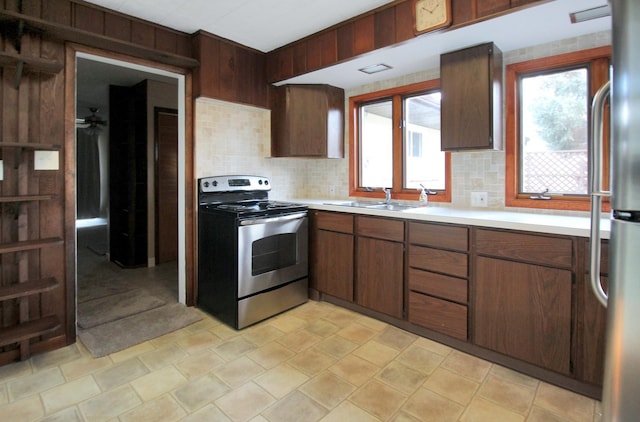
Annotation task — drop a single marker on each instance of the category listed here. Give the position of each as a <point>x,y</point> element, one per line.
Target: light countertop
<point>578,225</point>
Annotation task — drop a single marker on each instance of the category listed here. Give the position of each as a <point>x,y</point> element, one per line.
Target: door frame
<point>186,196</point>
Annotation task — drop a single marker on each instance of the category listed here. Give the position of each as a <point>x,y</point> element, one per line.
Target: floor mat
<point>110,308</point>
<point>118,335</point>
<point>98,287</point>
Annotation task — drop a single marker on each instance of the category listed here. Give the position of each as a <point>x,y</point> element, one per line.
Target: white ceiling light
<point>375,68</point>
<point>589,14</point>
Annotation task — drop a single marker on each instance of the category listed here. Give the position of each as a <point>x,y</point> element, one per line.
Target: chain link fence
<point>558,171</point>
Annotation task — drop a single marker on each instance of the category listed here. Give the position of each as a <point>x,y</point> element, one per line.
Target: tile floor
<point>315,362</point>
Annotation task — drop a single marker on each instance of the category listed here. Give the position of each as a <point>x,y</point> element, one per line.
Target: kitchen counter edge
<point>498,219</point>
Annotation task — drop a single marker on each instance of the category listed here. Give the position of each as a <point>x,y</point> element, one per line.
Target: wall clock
<point>430,15</point>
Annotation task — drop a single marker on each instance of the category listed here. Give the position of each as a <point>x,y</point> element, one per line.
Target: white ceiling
<point>268,24</point>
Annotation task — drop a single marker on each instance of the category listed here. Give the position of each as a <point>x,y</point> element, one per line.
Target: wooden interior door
<point>128,175</point>
<point>166,124</point>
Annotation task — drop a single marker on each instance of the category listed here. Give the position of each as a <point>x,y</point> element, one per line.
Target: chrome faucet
<point>387,195</point>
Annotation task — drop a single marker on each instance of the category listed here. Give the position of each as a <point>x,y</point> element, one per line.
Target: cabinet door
<point>332,268</point>
<point>306,110</point>
<point>592,323</point>
<point>470,81</point>
<point>524,311</point>
<point>307,120</point>
<point>379,284</point>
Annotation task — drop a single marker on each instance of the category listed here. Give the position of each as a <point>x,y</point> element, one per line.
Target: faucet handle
<point>387,194</point>
<point>427,191</point>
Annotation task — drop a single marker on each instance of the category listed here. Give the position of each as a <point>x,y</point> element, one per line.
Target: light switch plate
<point>46,160</point>
<point>478,199</point>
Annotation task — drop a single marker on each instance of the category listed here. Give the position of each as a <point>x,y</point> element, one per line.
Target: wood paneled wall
<point>37,106</point>
<point>384,27</point>
<point>77,21</point>
<point>33,112</point>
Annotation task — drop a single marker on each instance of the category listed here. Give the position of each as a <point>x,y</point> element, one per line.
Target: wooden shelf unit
<point>27,245</point>
<point>30,63</point>
<point>31,146</point>
<point>27,288</point>
<point>26,329</point>
<point>26,198</point>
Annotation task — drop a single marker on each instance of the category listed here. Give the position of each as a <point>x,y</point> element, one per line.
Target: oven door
<point>271,251</point>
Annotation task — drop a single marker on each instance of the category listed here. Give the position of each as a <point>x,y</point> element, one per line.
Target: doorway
<point>94,74</point>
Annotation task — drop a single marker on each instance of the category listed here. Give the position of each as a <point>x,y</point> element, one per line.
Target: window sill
<point>555,203</point>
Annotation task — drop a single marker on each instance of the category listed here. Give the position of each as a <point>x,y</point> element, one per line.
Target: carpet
<point>116,306</point>
<point>92,288</point>
<point>120,334</point>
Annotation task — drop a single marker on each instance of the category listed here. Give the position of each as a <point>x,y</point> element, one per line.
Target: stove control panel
<point>233,184</point>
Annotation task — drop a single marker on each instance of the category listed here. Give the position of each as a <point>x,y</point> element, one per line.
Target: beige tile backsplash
<point>235,139</point>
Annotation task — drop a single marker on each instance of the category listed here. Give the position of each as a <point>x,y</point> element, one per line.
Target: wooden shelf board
<point>31,145</point>
<point>27,198</point>
<point>28,330</point>
<point>27,288</point>
<point>35,64</point>
<point>66,33</point>
<point>26,245</point>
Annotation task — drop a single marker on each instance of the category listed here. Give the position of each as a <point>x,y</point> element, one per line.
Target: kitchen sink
<point>390,206</point>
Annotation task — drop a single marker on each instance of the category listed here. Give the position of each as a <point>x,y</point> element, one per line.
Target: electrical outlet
<point>478,199</point>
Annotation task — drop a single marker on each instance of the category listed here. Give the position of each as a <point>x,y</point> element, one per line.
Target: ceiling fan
<point>92,120</point>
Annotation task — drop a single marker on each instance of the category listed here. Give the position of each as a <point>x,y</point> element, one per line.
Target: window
<point>414,144</point>
<point>395,143</point>
<point>548,107</point>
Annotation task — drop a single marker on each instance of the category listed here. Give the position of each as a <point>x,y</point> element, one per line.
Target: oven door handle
<point>254,221</point>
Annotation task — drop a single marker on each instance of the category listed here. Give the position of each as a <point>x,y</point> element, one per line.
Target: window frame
<point>598,62</point>
<point>396,95</point>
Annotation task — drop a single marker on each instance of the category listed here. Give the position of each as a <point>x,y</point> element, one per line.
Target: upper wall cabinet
<point>229,72</point>
<point>471,85</point>
<point>307,121</point>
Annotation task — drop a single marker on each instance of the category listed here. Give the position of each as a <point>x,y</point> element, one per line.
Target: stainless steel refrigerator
<point>621,389</point>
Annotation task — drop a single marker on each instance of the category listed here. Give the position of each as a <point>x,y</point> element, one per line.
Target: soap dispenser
<point>424,197</point>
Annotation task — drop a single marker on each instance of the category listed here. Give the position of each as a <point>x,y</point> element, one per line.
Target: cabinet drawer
<point>333,221</point>
<point>439,285</point>
<point>447,262</point>
<point>439,315</point>
<point>545,250</point>
<point>381,228</point>
<point>439,236</point>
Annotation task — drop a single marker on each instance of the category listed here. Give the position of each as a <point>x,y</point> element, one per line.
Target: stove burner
<point>274,204</point>
<point>235,207</point>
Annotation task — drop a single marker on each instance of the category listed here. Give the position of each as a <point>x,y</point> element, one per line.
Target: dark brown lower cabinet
<point>592,322</point>
<point>380,275</point>
<point>437,314</point>
<point>380,265</point>
<point>524,311</point>
<point>523,297</point>
<point>335,256</point>
<point>332,262</point>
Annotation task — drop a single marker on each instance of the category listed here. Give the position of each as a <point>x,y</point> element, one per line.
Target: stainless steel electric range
<point>252,252</point>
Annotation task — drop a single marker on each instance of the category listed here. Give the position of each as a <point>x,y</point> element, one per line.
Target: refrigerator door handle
<point>597,193</point>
